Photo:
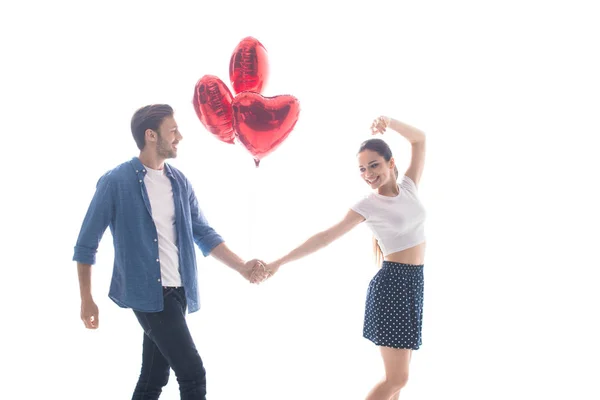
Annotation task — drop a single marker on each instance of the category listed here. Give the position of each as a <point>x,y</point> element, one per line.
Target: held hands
<point>380,124</point>
<point>257,271</point>
<point>263,271</point>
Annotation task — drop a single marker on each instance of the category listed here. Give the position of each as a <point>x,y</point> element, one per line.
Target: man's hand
<point>260,272</point>
<point>253,271</point>
<point>89,314</point>
<point>263,271</point>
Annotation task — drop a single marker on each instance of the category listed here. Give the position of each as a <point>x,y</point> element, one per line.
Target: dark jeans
<point>168,344</point>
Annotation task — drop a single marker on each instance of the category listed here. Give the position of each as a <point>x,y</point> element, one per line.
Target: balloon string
<point>252,211</point>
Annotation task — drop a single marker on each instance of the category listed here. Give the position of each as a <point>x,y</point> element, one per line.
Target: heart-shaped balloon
<point>262,123</point>
<point>212,103</point>
<point>248,66</point>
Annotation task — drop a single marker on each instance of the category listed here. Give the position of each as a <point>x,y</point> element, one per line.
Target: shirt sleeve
<point>99,214</point>
<point>361,207</point>
<point>204,235</point>
<point>408,184</point>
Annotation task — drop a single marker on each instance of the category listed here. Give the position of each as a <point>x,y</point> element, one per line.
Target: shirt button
<point>155,240</point>
<point>157,260</point>
<point>136,171</point>
<point>140,181</point>
<point>159,279</point>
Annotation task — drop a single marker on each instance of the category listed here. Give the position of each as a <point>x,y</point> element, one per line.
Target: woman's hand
<point>258,272</point>
<point>380,124</point>
<point>268,270</point>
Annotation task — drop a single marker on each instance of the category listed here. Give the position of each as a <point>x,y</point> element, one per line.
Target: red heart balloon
<point>212,103</point>
<point>263,123</point>
<point>248,66</point>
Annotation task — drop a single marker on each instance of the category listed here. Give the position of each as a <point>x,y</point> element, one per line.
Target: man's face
<point>168,138</point>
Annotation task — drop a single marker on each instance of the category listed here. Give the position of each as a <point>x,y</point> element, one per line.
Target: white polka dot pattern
<point>394,306</point>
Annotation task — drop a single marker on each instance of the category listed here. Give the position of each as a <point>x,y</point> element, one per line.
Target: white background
<point>507,93</point>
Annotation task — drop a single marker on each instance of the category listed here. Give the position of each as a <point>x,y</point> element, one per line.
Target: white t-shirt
<point>160,193</point>
<point>397,222</point>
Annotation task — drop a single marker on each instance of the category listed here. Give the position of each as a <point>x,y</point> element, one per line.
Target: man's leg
<point>169,332</point>
<point>155,372</point>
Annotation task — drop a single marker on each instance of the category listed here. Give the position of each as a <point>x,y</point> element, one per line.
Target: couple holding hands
<point>155,219</point>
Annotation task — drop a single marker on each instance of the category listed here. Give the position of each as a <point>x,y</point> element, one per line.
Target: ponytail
<point>377,252</point>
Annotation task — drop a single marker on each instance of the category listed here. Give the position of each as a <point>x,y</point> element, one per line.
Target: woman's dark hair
<point>148,117</point>
<point>381,148</point>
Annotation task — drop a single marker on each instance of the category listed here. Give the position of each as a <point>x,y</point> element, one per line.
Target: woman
<point>394,304</point>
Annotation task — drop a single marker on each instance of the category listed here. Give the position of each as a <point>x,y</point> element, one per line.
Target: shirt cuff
<point>209,243</point>
<point>85,255</point>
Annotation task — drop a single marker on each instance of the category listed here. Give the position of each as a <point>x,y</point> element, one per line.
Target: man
<point>154,219</point>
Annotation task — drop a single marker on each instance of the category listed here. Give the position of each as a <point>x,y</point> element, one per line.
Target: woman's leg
<point>396,362</point>
<point>397,395</point>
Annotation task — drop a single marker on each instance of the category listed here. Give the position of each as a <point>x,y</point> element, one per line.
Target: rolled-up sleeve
<point>98,217</point>
<point>204,235</point>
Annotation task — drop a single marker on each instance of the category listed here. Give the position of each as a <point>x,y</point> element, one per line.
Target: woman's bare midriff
<point>415,255</point>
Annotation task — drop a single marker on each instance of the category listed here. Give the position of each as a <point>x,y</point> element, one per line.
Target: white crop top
<point>397,222</point>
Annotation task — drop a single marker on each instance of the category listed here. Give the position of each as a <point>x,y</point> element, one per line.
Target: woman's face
<point>374,169</point>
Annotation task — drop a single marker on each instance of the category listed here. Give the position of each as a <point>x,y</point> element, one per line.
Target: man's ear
<point>150,135</point>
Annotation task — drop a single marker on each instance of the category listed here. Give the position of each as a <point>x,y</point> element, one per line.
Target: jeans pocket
<point>178,294</point>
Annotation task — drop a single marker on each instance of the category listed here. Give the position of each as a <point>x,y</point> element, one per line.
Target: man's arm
<point>89,309</point>
<point>204,235</point>
<point>252,270</point>
<point>211,243</point>
<point>97,219</point>
<point>99,214</point>
<point>227,257</point>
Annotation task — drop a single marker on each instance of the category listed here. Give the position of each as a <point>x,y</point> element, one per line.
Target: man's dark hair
<point>148,117</point>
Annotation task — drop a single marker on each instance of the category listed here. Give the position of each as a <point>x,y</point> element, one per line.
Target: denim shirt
<point>121,202</point>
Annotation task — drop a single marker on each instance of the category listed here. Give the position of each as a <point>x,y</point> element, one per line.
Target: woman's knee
<point>397,381</point>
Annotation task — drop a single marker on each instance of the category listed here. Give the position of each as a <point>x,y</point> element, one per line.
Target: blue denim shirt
<point>121,202</point>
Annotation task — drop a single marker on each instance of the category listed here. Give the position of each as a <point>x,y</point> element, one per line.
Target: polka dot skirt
<point>394,307</point>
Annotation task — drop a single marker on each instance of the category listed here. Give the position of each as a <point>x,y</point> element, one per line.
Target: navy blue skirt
<point>394,307</point>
